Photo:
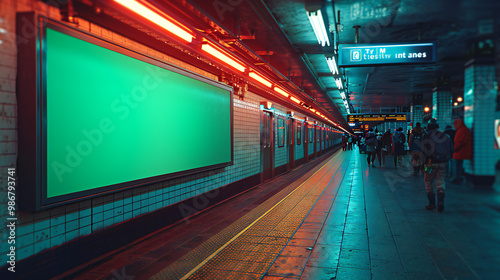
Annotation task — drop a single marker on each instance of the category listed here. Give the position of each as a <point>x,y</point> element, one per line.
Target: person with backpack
<point>398,139</point>
<point>370,141</point>
<point>437,150</point>
<point>386,142</point>
<point>415,144</point>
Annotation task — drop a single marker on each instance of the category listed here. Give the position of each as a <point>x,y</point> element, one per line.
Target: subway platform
<point>333,218</point>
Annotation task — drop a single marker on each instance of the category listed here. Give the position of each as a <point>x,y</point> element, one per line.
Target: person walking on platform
<point>349,143</point>
<point>386,139</point>
<point>415,144</point>
<point>344,142</point>
<point>378,150</point>
<point>371,142</point>
<point>437,149</point>
<point>450,165</point>
<point>463,149</point>
<point>398,139</point>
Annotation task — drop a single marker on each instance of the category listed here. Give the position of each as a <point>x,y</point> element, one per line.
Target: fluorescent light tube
<point>156,18</point>
<point>223,57</point>
<point>260,79</point>
<point>318,25</point>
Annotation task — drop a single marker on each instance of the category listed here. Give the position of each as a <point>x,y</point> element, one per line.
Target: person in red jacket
<point>463,149</point>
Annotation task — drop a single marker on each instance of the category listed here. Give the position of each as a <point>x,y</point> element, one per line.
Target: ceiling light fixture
<point>295,100</point>
<point>338,81</point>
<point>318,25</point>
<point>280,91</point>
<point>260,79</point>
<point>332,65</point>
<point>220,55</point>
<point>157,18</point>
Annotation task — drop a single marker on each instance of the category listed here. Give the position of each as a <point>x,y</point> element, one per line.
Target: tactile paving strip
<point>250,255</point>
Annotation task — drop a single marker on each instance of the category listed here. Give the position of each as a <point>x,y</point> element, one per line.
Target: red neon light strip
<point>260,79</point>
<point>156,18</point>
<point>224,58</point>
<point>295,100</point>
<point>280,91</point>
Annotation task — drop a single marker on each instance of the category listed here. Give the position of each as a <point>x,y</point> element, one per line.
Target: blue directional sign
<point>351,55</point>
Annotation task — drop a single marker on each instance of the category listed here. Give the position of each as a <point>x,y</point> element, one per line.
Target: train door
<point>291,143</point>
<point>320,138</point>
<point>306,141</point>
<point>315,142</point>
<point>266,139</point>
<point>323,140</point>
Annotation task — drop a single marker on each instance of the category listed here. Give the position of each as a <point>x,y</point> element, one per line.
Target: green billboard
<point>113,118</point>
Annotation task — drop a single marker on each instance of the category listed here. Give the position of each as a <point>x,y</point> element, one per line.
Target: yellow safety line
<point>245,229</point>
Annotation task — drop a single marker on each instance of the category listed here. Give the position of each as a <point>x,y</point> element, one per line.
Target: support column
<point>417,109</point>
<point>442,103</point>
<point>479,113</point>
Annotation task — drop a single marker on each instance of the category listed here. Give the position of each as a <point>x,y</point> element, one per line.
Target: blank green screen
<point>111,118</point>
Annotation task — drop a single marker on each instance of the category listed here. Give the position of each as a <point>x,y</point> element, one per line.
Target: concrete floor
<point>334,218</point>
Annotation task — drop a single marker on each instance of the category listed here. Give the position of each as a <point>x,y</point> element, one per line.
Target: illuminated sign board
<point>377,118</point>
<point>351,55</point>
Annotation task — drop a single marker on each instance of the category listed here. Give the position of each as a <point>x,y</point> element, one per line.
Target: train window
<point>281,132</point>
<point>299,132</point>
<point>311,134</point>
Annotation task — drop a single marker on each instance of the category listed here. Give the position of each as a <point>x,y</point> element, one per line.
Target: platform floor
<point>333,218</point>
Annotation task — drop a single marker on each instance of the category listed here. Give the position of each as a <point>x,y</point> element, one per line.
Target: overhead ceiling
<point>278,36</point>
<point>280,31</point>
<point>451,24</point>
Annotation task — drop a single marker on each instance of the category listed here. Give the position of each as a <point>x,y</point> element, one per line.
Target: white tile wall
<point>442,106</point>
<point>480,105</point>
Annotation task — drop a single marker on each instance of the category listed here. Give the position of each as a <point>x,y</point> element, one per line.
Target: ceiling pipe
<point>356,38</point>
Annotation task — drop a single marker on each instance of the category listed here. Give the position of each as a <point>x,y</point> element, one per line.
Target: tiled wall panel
<point>479,114</point>
<point>441,108</point>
